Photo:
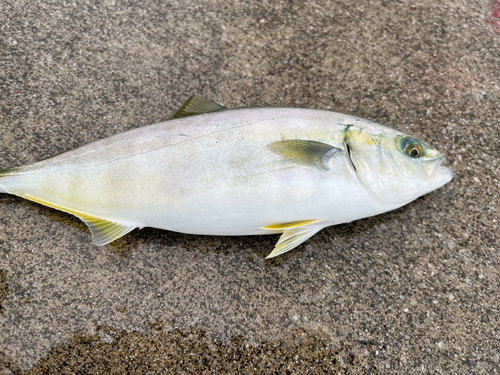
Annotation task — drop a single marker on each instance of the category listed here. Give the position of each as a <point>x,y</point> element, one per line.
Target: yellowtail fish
<point>210,170</point>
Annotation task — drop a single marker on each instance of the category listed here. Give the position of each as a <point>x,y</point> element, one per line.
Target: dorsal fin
<point>103,231</point>
<point>196,105</point>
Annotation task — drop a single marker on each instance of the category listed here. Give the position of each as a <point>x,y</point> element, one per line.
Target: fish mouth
<point>438,175</point>
<point>433,167</point>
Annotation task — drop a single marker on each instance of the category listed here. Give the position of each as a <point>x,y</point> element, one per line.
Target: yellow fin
<point>103,231</point>
<point>306,152</point>
<point>292,224</point>
<point>292,238</point>
<point>196,105</point>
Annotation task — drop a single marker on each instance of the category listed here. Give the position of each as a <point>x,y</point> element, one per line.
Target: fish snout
<point>437,172</point>
<point>432,167</point>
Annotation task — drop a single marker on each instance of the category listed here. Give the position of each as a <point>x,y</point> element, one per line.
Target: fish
<point>210,170</point>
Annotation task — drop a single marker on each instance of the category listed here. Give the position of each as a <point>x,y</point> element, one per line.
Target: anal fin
<point>103,231</point>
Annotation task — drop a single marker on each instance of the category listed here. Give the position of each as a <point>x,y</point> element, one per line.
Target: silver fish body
<point>224,172</point>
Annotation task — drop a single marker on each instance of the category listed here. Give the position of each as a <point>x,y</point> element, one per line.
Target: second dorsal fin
<point>196,105</point>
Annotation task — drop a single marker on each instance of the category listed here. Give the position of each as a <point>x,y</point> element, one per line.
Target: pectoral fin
<point>306,152</point>
<point>196,105</point>
<point>294,234</point>
<point>103,231</point>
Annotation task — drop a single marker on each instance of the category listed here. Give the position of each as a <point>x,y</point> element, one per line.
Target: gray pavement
<point>412,291</point>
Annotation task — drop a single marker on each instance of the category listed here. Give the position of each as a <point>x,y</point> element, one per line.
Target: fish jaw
<point>439,176</point>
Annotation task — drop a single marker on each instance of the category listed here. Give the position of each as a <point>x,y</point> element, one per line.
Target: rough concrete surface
<point>412,291</point>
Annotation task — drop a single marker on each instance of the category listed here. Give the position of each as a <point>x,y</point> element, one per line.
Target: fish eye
<point>411,147</point>
<point>413,150</point>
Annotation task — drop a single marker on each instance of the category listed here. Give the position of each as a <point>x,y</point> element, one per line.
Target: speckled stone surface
<point>415,290</point>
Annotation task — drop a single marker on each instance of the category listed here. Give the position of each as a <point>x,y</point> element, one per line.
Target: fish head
<point>394,167</point>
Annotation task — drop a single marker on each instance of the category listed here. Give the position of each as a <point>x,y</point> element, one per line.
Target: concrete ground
<point>412,291</point>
